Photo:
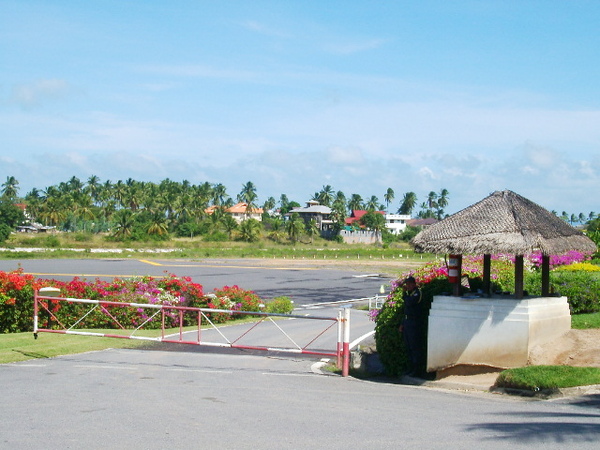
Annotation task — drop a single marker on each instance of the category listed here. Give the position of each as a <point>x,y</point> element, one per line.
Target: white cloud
<point>36,93</point>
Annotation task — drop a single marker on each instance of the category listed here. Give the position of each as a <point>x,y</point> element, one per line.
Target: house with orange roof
<point>239,211</point>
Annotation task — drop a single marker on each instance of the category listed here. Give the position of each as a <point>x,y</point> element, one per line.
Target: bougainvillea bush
<point>582,287</point>
<point>16,302</point>
<point>16,305</point>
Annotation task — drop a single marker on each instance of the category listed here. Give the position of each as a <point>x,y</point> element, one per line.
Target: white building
<point>396,223</point>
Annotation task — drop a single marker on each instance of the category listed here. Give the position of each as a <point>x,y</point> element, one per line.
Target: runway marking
<point>84,275</point>
<point>221,266</point>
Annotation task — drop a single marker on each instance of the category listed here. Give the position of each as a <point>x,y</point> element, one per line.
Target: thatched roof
<point>504,222</point>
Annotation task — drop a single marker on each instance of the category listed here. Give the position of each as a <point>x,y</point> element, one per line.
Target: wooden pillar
<point>456,288</point>
<point>545,275</point>
<point>487,275</point>
<point>519,276</point>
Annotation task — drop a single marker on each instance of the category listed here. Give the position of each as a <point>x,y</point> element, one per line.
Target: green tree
<point>312,230</point>
<point>441,203</point>
<point>294,227</point>
<point>325,195</point>
<point>248,196</point>
<point>158,225</point>
<point>388,198</point>
<point>250,230</point>
<point>372,203</point>
<point>229,224</point>
<point>355,202</point>
<point>10,188</point>
<point>124,223</point>
<point>409,201</point>
<point>373,221</point>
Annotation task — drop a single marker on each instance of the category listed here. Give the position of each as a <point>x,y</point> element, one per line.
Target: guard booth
<point>485,328</point>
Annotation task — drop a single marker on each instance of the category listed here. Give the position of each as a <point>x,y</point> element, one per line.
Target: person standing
<point>412,326</point>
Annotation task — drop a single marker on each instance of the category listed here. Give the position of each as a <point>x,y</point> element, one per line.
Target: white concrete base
<point>497,332</point>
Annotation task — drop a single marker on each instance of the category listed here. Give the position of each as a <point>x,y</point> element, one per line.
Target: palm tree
<point>82,203</point>
<point>219,194</point>
<point>124,220</point>
<point>10,188</point>
<point>248,196</point>
<point>442,202</point>
<point>93,187</point>
<point>338,212</point>
<point>158,225</point>
<point>276,233</point>
<point>269,204</point>
<point>325,195</point>
<point>312,229</point>
<point>388,198</point>
<point>355,202</point>
<point>250,230</point>
<point>372,204</point>
<point>294,227</point>
<point>409,201</point>
<point>229,223</point>
<point>53,211</point>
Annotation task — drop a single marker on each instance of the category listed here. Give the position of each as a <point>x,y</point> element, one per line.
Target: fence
<point>168,314</point>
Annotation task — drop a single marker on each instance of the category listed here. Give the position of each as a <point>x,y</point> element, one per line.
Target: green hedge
<point>582,289</point>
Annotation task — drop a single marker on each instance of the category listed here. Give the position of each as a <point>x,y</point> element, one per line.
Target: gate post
<point>340,336</point>
<point>346,345</point>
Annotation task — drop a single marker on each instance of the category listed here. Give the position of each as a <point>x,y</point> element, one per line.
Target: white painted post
<point>346,346</point>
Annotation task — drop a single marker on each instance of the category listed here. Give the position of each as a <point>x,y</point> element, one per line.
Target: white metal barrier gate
<point>201,316</point>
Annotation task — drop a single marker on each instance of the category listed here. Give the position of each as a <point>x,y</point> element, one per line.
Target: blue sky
<point>470,96</point>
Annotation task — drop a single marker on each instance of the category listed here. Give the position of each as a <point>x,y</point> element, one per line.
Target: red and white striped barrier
<point>155,311</point>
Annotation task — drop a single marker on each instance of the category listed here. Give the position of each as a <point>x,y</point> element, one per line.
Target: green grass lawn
<point>585,321</point>
<point>22,346</point>
<point>534,378</point>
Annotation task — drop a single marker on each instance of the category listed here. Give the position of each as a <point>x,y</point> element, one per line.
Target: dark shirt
<point>413,304</point>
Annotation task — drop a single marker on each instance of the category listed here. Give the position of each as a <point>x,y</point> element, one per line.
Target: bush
<point>389,341</point>
<point>17,290</point>
<point>16,305</point>
<point>280,305</point>
<point>582,288</point>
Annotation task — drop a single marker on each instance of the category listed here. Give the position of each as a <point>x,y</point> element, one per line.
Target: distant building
<point>240,212</point>
<point>394,223</point>
<point>314,210</point>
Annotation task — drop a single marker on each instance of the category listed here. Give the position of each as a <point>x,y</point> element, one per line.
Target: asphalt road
<point>180,397</point>
<point>303,284</point>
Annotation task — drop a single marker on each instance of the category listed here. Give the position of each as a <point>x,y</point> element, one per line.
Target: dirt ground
<point>576,348</point>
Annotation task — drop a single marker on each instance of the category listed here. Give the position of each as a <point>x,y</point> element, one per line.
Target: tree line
<point>140,210</point>
<point>133,209</point>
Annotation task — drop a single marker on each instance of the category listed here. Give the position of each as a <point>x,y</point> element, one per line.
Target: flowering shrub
<point>16,306</point>
<point>17,289</point>
<point>240,299</point>
<point>580,267</point>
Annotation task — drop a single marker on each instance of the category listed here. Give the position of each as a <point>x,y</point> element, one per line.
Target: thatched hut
<point>497,332</point>
<point>504,222</point>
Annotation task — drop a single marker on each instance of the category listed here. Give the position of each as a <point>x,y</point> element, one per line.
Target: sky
<point>469,96</point>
